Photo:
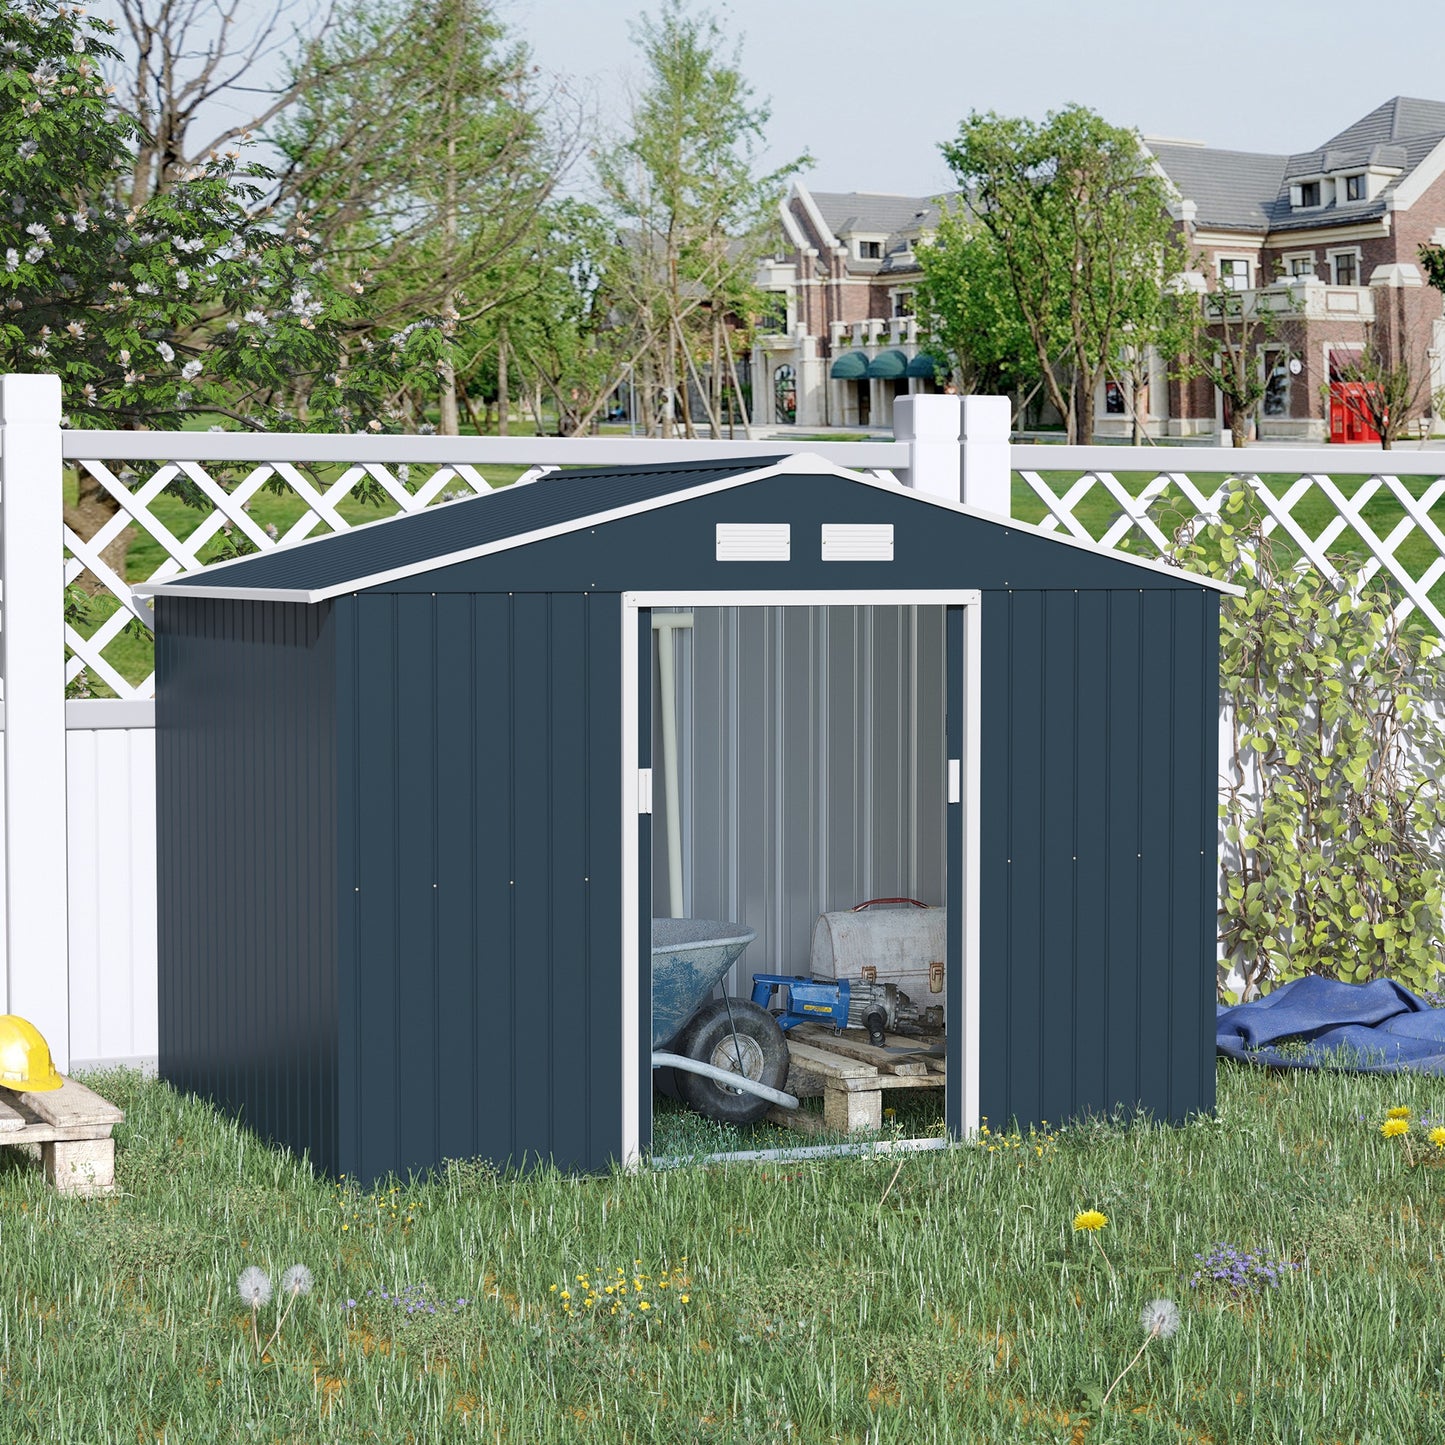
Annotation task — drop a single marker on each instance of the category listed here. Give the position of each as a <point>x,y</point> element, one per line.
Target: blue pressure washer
<point>843,1003</point>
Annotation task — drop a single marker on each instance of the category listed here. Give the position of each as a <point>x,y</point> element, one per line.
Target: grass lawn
<point>784,1301</point>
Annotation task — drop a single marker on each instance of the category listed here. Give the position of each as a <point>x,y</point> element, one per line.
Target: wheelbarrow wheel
<point>759,1052</point>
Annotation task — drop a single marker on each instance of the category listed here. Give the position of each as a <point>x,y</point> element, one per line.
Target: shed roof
<point>560,502</point>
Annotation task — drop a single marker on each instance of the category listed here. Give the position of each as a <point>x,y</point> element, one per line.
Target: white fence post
<point>932,426</point>
<point>32,570</point>
<point>987,461</point>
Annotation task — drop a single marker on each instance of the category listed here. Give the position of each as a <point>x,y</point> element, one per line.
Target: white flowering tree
<point>191,305</point>
<point>186,305</point>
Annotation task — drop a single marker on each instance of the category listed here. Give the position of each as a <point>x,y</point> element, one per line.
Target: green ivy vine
<point>1333,797</point>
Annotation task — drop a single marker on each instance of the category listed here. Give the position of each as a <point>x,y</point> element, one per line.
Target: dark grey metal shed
<point>405,873</point>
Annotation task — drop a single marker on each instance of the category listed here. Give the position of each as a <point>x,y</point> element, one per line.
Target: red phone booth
<point>1350,413</point>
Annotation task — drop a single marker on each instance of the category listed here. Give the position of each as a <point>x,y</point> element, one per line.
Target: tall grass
<point>796,1307</point>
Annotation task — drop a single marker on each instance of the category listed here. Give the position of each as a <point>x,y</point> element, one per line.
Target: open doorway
<point>798,755</point>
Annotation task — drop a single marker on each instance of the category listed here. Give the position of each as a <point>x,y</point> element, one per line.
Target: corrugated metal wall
<point>1097,870</point>
<point>479,813</point>
<point>246,877</point>
<point>812,770</point>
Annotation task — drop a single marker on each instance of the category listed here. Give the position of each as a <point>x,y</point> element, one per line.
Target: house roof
<point>1235,190</point>
<point>897,218</point>
<point>560,502</point>
<point>1246,191</point>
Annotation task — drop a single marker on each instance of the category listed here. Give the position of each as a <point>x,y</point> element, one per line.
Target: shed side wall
<point>1099,853</point>
<point>245,842</point>
<point>481,880</point>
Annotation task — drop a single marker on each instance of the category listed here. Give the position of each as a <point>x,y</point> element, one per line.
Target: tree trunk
<point>450,418</point>
<point>1083,411</point>
<point>93,508</point>
<point>504,394</point>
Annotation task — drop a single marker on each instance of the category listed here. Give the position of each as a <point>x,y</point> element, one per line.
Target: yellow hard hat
<point>25,1058</point>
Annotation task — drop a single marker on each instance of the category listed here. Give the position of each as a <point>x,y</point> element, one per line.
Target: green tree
<point>967,313</point>
<point>188,305</point>
<point>419,150</point>
<point>1081,227</point>
<point>696,216</point>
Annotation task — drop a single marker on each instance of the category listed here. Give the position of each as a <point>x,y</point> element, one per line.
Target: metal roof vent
<point>848,543</point>
<point>754,542</point>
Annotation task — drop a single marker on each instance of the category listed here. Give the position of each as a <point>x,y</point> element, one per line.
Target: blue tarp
<point>1369,1028</point>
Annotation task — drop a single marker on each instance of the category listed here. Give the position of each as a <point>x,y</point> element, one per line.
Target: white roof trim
<point>791,228</point>
<point>1409,190</point>
<point>805,462</point>
<point>825,231</point>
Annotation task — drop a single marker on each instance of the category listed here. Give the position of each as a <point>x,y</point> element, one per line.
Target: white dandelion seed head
<point>253,1284</point>
<point>1160,1317</point>
<point>297,1279</point>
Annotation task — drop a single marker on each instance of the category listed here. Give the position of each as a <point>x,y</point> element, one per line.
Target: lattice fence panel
<point>1139,516</point>
<point>107,638</point>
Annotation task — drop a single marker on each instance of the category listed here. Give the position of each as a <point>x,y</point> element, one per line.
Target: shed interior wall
<point>811,768</point>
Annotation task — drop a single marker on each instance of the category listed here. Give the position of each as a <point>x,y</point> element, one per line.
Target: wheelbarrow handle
<point>859,907</point>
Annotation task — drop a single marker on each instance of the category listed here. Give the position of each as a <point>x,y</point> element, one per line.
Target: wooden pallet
<point>71,1125</point>
<point>852,1077</point>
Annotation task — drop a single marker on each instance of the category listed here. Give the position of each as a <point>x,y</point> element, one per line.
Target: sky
<point>870,89</point>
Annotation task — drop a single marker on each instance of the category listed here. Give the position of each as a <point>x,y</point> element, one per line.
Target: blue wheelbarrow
<point>730,1055</point>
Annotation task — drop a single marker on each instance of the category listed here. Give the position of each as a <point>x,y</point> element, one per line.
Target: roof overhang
<point>806,463</point>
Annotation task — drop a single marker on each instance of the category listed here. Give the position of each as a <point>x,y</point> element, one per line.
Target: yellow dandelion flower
<point>610,1288</point>
<point>1400,1111</point>
<point>566,1294</point>
<point>684,1298</point>
<point>1090,1219</point>
<point>553,1288</point>
<point>643,1305</point>
<point>662,1283</point>
<point>1437,1138</point>
<point>1393,1127</point>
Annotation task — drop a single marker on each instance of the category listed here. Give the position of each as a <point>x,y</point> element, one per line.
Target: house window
<point>1347,268</point>
<point>870,250</point>
<point>903,303</point>
<point>774,317</point>
<point>1113,399</point>
<point>1301,265</point>
<point>1309,193</point>
<point>1354,188</point>
<point>1234,275</point>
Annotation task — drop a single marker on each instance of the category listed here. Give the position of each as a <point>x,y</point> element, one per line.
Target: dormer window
<point>1355,188</point>
<point>1309,194</point>
<point>870,250</point>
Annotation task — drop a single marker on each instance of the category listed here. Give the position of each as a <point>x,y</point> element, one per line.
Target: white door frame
<point>634,804</point>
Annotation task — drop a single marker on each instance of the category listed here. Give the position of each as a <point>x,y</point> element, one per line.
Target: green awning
<point>888,365</point>
<point>851,366</point>
<point>925,366</point>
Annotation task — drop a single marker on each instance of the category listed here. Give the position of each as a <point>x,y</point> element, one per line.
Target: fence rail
<point>79,944</point>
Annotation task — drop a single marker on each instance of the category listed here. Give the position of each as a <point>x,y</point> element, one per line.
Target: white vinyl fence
<point>79,938</point>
